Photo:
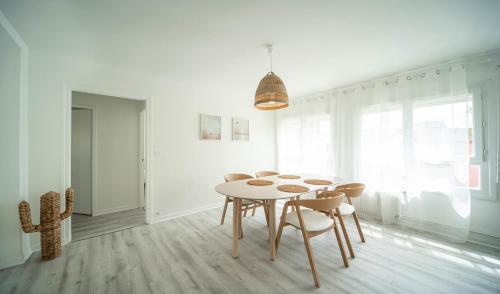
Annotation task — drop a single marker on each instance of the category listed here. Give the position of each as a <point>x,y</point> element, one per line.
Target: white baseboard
<point>13,262</point>
<point>485,240</point>
<point>27,252</point>
<point>177,214</point>
<point>115,209</point>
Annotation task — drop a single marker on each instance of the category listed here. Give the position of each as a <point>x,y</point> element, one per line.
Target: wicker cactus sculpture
<point>50,221</point>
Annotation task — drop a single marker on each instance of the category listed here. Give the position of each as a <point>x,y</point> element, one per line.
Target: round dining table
<point>239,190</point>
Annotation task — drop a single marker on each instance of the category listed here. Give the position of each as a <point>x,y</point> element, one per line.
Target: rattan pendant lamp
<point>271,93</point>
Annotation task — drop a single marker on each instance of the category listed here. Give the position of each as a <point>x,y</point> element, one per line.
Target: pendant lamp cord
<point>270,50</point>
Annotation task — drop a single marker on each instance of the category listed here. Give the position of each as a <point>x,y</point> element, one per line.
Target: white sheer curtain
<point>406,137</point>
<point>304,141</point>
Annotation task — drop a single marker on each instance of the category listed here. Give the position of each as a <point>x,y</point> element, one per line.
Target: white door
<point>81,159</point>
<point>142,158</point>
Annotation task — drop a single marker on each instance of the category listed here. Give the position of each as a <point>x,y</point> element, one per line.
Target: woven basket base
<point>289,177</point>
<point>292,188</point>
<point>317,182</point>
<point>259,182</point>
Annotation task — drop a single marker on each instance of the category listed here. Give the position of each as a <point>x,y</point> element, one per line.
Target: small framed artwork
<point>210,127</point>
<point>241,129</point>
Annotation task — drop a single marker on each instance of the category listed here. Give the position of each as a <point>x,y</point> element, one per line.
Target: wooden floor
<point>84,226</point>
<point>192,254</point>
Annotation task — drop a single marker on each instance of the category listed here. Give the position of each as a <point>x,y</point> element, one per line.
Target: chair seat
<point>346,208</point>
<point>313,220</point>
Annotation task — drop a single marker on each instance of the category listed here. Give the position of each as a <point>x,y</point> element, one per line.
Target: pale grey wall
<point>81,159</point>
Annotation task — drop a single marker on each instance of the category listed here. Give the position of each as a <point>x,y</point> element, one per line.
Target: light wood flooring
<point>192,254</point>
<point>85,226</point>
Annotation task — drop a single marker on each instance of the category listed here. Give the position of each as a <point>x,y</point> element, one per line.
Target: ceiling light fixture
<point>271,93</point>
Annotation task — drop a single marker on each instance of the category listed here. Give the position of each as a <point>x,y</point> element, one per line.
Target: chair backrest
<point>236,177</point>
<point>352,189</point>
<point>326,201</point>
<point>264,173</point>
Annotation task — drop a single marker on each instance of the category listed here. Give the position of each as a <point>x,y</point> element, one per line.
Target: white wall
<point>14,245</point>
<point>117,151</point>
<point>184,169</point>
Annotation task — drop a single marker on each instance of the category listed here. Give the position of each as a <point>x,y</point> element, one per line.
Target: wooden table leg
<point>236,225</point>
<point>272,228</point>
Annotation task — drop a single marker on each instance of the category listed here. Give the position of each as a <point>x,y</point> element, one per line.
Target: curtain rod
<point>464,61</point>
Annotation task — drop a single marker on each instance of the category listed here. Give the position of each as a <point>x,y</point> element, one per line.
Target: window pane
<point>440,132</point>
<point>440,142</point>
<point>289,143</point>
<point>475,177</point>
<point>304,145</point>
<point>382,146</point>
<point>470,128</point>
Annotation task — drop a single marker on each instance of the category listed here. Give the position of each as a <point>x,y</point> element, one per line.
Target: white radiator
<point>368,206</point>
<point>372,206</point>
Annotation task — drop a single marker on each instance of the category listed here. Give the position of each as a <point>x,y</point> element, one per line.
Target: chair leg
<point>359,227</point>
<point>341,246</point>
<point>278,236</point>
<point>310,257</point>
<point>246,209</point>
<point>292,206</point>
<point>344,231</point>
<point>253,210</point>
<point>280,229</point>
<point>224,211</point>
<point>241,226</point>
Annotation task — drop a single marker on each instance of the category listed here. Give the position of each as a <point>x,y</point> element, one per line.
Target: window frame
<point>485,127</point>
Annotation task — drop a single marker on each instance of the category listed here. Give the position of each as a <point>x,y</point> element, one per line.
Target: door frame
<point>93,153</point>
<point>142,159</point>
<point>23,159</point>
<point>66,163</point>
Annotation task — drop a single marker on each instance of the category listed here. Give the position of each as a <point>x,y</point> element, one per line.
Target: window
<point>428,138</point>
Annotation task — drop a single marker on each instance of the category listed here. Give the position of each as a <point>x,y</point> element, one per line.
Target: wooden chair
<point>246,204</point>
<point>351,190</point>
<point>313,223</point>
<point>264,173</point>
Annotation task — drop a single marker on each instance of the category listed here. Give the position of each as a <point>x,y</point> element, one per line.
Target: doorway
<point>108,164</point>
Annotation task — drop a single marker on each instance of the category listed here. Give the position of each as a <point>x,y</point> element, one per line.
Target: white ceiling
<point>318,44</point>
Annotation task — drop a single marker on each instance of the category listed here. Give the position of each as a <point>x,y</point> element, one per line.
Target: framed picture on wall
<point>210,127</point>
<point>241,129</point>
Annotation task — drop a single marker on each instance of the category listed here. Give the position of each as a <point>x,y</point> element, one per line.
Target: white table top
<point>240,189</point>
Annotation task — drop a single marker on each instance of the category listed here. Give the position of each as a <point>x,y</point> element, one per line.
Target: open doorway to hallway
<point>107,164</point>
